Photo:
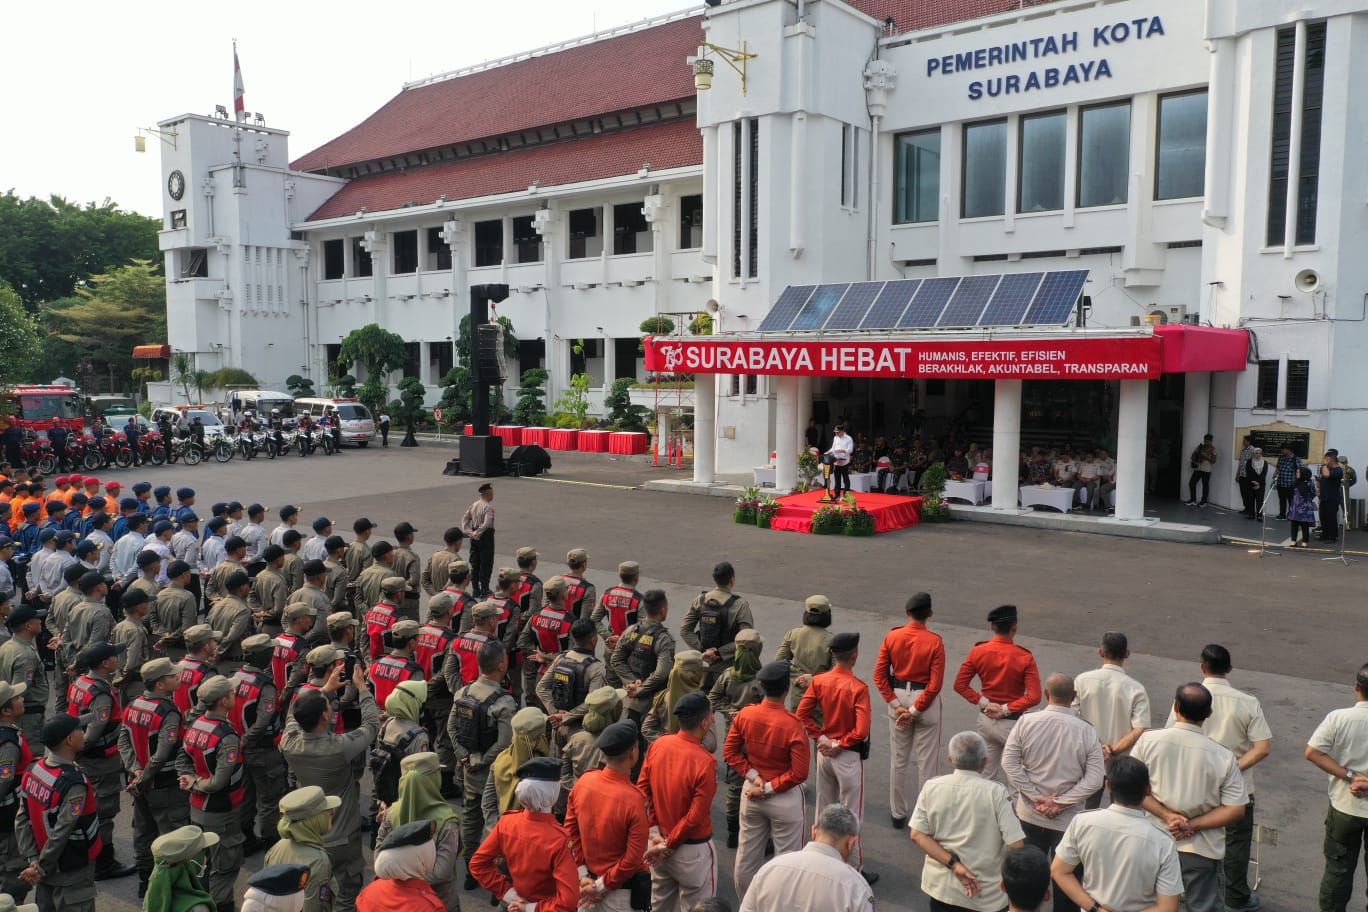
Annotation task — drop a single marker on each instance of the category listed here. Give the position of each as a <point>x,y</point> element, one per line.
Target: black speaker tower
<point>481,453</point>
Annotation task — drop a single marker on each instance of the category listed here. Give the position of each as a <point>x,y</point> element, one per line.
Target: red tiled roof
<point>675,144</point>
<point>912,15</point>
<point>620,73</point>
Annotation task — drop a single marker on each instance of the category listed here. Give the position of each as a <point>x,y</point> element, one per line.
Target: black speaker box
<point>529,460</point>
<point>482,456</point>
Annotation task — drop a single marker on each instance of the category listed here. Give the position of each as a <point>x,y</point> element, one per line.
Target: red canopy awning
<point>1188,348</point>
<point>151,351</point>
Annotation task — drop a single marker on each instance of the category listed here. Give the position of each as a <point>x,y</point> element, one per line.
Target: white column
<point>788,435</point>
<point>1196,420</point>
<point>1132,423</point>
<point>1006,443</point>
<point>663,431</point>
<point>705,428</point>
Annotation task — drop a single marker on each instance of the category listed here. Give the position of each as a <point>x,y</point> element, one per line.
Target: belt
<point>704,841</point>
<point>910,685</point>
<point>1010,717</point>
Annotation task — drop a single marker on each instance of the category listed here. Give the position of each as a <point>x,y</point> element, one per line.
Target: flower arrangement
<point>828,520</point>
<point>809,467</point>
<point>747,505</point>
<point>858,522</point>
<point>765,510</point>
<point>934,507</point>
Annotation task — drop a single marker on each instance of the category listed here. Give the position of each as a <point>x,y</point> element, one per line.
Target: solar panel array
<point>957,302</point>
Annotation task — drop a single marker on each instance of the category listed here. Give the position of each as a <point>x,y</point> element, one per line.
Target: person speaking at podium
<point>838,457</point>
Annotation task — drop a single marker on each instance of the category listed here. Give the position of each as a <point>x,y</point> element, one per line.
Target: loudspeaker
<point>482,456</point>
<point>529,459</point>
<point>453,467</point>
<point>493,366</point>
<point>1308,281</point>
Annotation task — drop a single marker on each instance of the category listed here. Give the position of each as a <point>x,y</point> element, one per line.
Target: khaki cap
<point>9,691</point>
<point>689,658</point>
<point>201,634</point>
<point>339,619</point>
<point>529,721</point>
<point>457,568</point>
<point>629,568</point>
<point>323,655</point>
<point>577,556</point>
<point>257,641</point>
<point>296,610</point>
<point>426,763</point>
<point>7,904</point>
<point>749,636</point>
<point>604,698</point>
<point>183,844</point>
<point>155,670</point>
<point>440,605</point>
<point>214,689</point>
<point>405,629</point>
<point>527,554</point>
<point>306,802</point>
<point>392,584</point>
<point>556,585</point>
<point>509,575</point>
<point>818,603</point>
<point>485,611</point>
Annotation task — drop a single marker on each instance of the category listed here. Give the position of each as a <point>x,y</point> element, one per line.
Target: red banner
<point>1128,358</point>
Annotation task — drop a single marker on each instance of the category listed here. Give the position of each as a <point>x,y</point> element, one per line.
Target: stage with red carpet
<point>890,511</point>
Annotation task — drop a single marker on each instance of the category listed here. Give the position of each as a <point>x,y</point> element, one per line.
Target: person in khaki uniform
<point>368,586</point>
<point>306,816</point>
<point>713,620</point>
<point>20,664</point>
<point>337,585</point>
<point>481,727</point>
<point>645,654</point>
<point>131,634</point>
<point>63,884</point>
<point>734,690</point>
<point>1339,748</point>
<point>807,649</point>
<point>232,615</point>
<point>270,591</point>
<point>13,745</point>
<point>435,575</point>
<point>209,767</point>
<point>148,741</point>
<point>312,596</point>
<point>176,611</point>
<point>149,568</point>
<point>292,570</point>
<point>234,562</point>
<point>407,565</point>
<point>1112,702</point>
<point>359,555</point>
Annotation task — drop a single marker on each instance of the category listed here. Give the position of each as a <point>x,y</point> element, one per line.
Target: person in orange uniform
<point>769,749</point>
<point>402,865</point>
<point>608,827</point>
<point>540,866</point>
<point>679,780</point>
<point>843,739</point>
<point>909,673</point>
<point>1010,680</point>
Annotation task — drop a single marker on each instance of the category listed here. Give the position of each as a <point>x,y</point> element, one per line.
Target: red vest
<point>45,790</point>
<point>523,594</point>
<point>459,606</point>
<point>574,595</point>
<point>623,606</point>
<point>552,628</point>
<point>146,720</point>
<point>391,671</point>
<point>203,745</point>
<point>433,644</point>
<point>468,648</point>
<point>9,805</point>
<point>509,607</point>
<point>248,687</point>
<point>84,690</point>
<point>287,649</point>
<point>378,620</point>
<point>332,702</point>
<point>192,673</point>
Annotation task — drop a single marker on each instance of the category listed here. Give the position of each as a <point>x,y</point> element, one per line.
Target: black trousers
<point>1047,840</point>
<point>840,477</point>
<point>482,562</point>
<point>1205,479</point>
<point>1329,520</point>
<point>384,435</point>
<point>1284,500</point>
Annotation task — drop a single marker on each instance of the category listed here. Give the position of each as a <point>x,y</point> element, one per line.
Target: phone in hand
<point>350,666</point>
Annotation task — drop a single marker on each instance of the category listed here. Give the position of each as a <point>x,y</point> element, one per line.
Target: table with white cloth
<point>970,490</point>
<point>765,475</point>
<point>1060,499</point>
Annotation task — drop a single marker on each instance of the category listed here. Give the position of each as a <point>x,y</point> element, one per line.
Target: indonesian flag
<point>239,110</point>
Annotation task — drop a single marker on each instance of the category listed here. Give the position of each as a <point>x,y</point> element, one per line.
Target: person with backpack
<point>481,726</point>
<point>529,741</point>
<point>420,798</point>
<point>713,620</point>
<point>570,678</point>
<point>401,735</point>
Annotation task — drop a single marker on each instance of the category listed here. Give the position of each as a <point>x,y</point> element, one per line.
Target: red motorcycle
<point>38,451</point>
<point>81,452</point>
<point>151,449</point>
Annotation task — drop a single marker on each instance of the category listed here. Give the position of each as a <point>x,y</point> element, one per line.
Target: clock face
<point>175,185</point>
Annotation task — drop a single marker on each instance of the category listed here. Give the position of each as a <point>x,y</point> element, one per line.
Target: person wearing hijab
<point>529,741</point>
<point>402,865</point>
<point>1302,513</point>
<point>420,798</point>
<point>278,888</point>
<point>580,753</point>
<point>178,864</point>
<point>687,676</point>
<point>734,690</point>
<point>807,649</point>
<point>535,848</point>
<point>306,817</point>
<point>1255,480</point>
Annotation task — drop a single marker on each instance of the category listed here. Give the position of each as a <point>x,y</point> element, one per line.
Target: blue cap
<point>233,506</point>
<point>219,508</point>
<point>185,493</point>
<point>318,524</point>
<point>142,487</point>
<point>98,503</point>
<point>47,534</point>
<point>218,522</point>
<point>64,537</point>
<point>85,546</point>
<point>254,509</point>
<point>128,503</point>
<point>162,526</point>
<point>32,507</point>
<point>6,541</point>
<point>161,491</point>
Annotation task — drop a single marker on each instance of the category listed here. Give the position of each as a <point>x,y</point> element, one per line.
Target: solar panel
<point>818,308</point>
<point>786,308</point>
<point>926,307</point>
<point>1054,302</point>
<point>969,301</point>
<point>890,304</point>
<point>1011,299</point>
<point>853,306</point>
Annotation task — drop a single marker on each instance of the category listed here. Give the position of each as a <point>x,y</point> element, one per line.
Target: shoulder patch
<point>28,676</point>
<point>77,806</point>
<point>102,714</point>
<point>6,771</point>
<point>171,731</point>
<point>324,894</point>
<point>232,755</point>
<point>269,705</point>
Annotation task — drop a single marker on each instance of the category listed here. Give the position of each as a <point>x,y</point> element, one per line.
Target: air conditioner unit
<point>1169,313</point>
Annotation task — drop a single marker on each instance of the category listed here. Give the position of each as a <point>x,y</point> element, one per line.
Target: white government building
<point>1188,157</point>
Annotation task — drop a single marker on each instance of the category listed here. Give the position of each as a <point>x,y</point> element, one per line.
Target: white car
<point>213,427</point>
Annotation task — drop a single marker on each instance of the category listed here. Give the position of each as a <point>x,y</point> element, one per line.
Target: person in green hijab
<point>306,817</point>
<point>686,677</point>
<point>580,753</point>
<point>735,689</point>
<point>529,740</point>
<point>420,798</point>
<point>178,863</point>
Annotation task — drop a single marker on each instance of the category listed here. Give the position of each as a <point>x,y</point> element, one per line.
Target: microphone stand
<point>1263,550</point>
<point>1344,529</point>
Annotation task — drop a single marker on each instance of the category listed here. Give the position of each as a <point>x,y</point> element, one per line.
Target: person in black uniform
<point>1331,483</point>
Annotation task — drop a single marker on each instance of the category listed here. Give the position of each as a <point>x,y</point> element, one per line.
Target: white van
<point>358,426</point>
<point>261,402</point>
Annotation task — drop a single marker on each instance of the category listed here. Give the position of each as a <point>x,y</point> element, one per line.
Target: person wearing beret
<point>270,593</point>
<point>20,663</point>
<point>434,576</point>
<point>16,756</point>
<point>57,825</point>
<point>210,767</point>
<point>176,884</point>
<point>255,537</point>
<point>541,867</point>
<point>278,888</point>
<point>149,738</point>
<point>402,865</point>
<point>420,798</point>
<point>607,823</point>
<point>131,634</point>
<point>232,615</point>
<point>807,649</point>
<point>1010,680</point>
<point>407,565</point>
<point>176,610</point>
<point>358,555</point>
<point>95,704</point>
<point>370,585</point>
<point>234,562</point>
<point>306,816</point>
<point>162,495</point>
<point>233,510</point>
<point>735,689</point>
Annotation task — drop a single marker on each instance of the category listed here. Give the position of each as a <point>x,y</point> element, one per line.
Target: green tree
<point>530,409</point>
<point>622,414</point>
<point>411,395</point>
<point>20,344</point>
<point>373,395</point>
<point>225,377</point>
<point>183,372</point>
<point>382,352</point>
<point>113,312</point>
<point>575,401</point>
<point>299,386</point>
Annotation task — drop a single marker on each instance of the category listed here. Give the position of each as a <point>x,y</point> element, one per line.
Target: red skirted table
<point>535,436</point>
<point>594,441</point>
<point>562,440</point>
<point>469,430</point>
<point>511,434</point>
<point>627,443</point>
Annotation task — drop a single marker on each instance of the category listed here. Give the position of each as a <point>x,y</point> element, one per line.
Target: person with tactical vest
<point>176,610</point>
<point>256,717</point>
<point>807,649</point>
<point>358,557</point>
<point>506,584</point>
<point>607,825</point>
<point>233,563</point>
<point>306,816</point>
<point>545,635</point>
<point>580,752</point>
<point>232,615</point>
<point>686,677</point>
<point>198,664</point>
<point>179,859</point>
<point>93,702</point>
<point>645,654</point>
<point>458,582</point>
<point>541,868</point>
<point>370,585</point>
<point>435,639</point>
<point>16,756</point>
<point>406,564</point>
<point>291,643</point>
<point>343,632</point>
<point>292,570</point>
<point>481,727</point>
<point>436,573</point>
<point>401,734</point>
<point>57,825</point>
<point>337,586</point>
<point>21,664</point>
<point>149,565</point>
<point>529,595</point>
<point>384,614</point>
<point>420,799</point>
<point>318,755</point>
<point>149,738</point>
<point>529,741</point>
<point>210,768</point>
<point>399,664</point>
<point>314,574</point>
<point>131,634</point>
<point>569,679</point>
<point>581,597</point>
<point>713,620</point>
<point>269,591</point>
<point>462,664</point>
<point>734,690</point>
<point>617,610</point>
<point>312,674</point>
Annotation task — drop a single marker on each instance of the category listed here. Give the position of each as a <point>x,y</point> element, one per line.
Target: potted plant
<point>809,467</point>
<point>934,507</point>
<point>858,522</point>
<point>746,506</point>
<point>765,510</point>
<point>657,326</point>
<point>828,520</point>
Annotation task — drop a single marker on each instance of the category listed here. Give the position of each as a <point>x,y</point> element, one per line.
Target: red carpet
<point>890,511</point>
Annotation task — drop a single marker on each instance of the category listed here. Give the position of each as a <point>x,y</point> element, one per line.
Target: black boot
<point>450,790</point>
<point>107,867</point>
<point>470,882</point>
<point>733,832</point>
<point>143,878</point>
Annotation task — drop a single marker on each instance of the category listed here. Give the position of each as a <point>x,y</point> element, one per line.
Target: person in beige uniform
<point>1113,702</point>
<point>807,649</point>
<point>20,663</point>
<point>359,556</point>
<point>149,568</point>
<point>1197,792</point>
<point>233,616</point>
<point>270,592</point>
<point>965,824</point>
<point>366,594</point>
<point>435,575</point>
<point>176,611</point>
<point>407,565</point>
<point>1339,748</point>
<point>131,634</point>
<point>1237,722</point>
<point>818,878</point>
<point>306,816</point>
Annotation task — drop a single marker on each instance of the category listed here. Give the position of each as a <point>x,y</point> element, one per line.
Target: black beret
<point>95,654</point>
<point>333,542</point>
<point>57,728</point>
<point>692,706</point>
<point>413,833</point>
<point>292,536</point>
<point>74,572</point>
<point>237,578</point>
<point>272,552</point>
<point>148,558</point>
<point>142,487</point>
<point>618,738</point>
<point>547,769</point>
<point>177,568</point>
<point>919,600</point>
<point>218,522</point>
<point>89,580</point>
<point>773,673</point>
<point>381,548</point>
<point>134,597</point>
<point>161,491</point>
<point>1002,614</point>
<point>281,879</point>
<point>315,568</point>
<point>233,543</point>
<point>845,642</point>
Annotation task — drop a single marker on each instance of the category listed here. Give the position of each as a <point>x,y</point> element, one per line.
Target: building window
<point>586,357</point>
<point>1308,174</point>
<point>531,353</point>
<point>438,252</point>
<point>405,252</point>
<point>850,166</point>
<point>690,222</point>
<point>586,235</point>
<point>1041,182</point>
<point>178,219</point>
<point>1298,383</point>
<point>194,263</point>
<point>413,353</point>
<point>361,259</point>
<point>745,198</point>
<point>1266,388</point>
<point>1103,155</point>
<point>916,183</point>
<point>631,231</point>
<point>441,359</point>
<point>1181,169</point>
<point>985,169</point>
<point>334,259</point>
<point>627,359</point>
<point>526,242</point>
<point>753,193</point>
<point>489,243</point>
<point>750,383</point>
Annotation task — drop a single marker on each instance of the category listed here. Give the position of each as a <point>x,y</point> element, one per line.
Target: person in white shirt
<point>315,547</point>
<point>842,446</point>
<point>1339,748</point>
<point>123,562</point>
<point>1112,702</point>
<point>1106,478</point>
<point>1065,470</point>
<point>818,878</point>
<point>99,534</point>
<point>1085,484</point>
<point>159,542</point>
<point>255,536</point>
<point>212,551</point>
<point>289,517</point>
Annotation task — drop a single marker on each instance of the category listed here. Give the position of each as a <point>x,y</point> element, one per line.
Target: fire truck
<point>39,408</point>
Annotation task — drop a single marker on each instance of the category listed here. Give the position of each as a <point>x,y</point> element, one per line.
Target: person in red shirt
<point>679,780</point>
<point>402,864</point>
<point>540,866</point>
<point>769,749</point>
<point>1010,680</point>
<point>607,823</point>
<point>909,674</point>
<point>384,615</point>
<point>843,738</point>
